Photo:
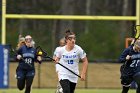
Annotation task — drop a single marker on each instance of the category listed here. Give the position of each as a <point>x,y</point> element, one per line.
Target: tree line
<point>100,39</point>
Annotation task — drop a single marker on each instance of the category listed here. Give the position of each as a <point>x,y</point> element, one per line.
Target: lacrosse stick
<point>45,55</point>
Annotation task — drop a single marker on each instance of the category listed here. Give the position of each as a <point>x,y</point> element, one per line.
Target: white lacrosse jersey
<point>69,59</point>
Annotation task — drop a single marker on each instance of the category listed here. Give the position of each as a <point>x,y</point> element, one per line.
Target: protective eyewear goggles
<point>70,37</point>
<point>28,39</point>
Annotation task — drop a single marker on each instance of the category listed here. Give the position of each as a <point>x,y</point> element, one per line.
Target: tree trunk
<point>88,5</point>
<point>67,8</point>
<point>124,23</point>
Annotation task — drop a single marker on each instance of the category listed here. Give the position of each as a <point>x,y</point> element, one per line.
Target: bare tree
<point>67,8</point>
<point>88,6</point>
<point>124,23</point>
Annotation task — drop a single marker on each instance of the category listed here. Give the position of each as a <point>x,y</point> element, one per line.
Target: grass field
<point>77,91</point>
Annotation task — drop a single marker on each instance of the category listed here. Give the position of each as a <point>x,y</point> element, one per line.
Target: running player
<point>26,71</point>
<point>69,56</point>
<point>130,70</point>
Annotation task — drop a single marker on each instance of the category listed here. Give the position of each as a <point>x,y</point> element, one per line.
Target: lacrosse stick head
<point>40,52</point>
<point>137,31</point>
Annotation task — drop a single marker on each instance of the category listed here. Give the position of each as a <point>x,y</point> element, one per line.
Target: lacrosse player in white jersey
<point>69,56</point>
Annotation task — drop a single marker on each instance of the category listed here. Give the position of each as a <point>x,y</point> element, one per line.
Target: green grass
<point>77,91</point>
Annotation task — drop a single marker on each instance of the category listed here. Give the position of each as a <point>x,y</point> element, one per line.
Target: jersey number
<point>135,63</point>
<point>70,61</point>
<point>28,60</point>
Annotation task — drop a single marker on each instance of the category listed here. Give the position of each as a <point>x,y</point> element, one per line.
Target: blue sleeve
<point>126,52</point>
<point>19,51</point>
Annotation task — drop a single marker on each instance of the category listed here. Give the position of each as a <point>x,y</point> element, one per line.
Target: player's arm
<point>125,55</point>
<point>19,54</point>
<point>84,59</point>
<point>84,68</point>
<point>57,55</point>
<point>56,59</point>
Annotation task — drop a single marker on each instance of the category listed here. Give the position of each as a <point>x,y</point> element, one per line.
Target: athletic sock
<point>125,89</point>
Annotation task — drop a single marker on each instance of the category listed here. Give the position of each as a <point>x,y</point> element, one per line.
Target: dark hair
<point>68,32</point>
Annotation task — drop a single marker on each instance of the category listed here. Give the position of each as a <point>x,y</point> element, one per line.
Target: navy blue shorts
<point>23,73</point>
<point>126,75</point>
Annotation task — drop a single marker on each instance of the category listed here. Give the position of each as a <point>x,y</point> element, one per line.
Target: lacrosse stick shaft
<point>45,56</point>
<point>64,67</point>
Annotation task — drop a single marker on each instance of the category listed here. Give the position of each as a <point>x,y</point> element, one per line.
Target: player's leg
<point>20,84</point>
<point>125,89</point>
<point>72,87</point>
<point>65,85</point>
<point>138,89</point>
<point>126,78</point>
<point>126,82</point>
<point>59,88</point>
<point>137,80</point>
<point>29,80</point>
<point>20,78</point>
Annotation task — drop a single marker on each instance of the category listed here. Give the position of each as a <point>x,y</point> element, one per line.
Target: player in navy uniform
<point>26,71</point>
<point>130,70</point>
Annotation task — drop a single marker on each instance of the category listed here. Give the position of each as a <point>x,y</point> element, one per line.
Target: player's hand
<point>56,60</point>
<point>83,77</point>
<point>128,57</point>
<point>19,57</point>
<point>39,58</point>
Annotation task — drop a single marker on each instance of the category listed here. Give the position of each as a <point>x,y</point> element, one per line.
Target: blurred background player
<point>21,41</point>
<point>69,56</point>
<point>25,72</point>
<point>61,43</point>
<point>130,70</point>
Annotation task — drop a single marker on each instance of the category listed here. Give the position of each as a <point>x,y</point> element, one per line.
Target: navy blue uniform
<point>29,56</point>
<point>27,64</point>
<point>26,70</point>
<point>126,70</point>
<point>130,70</point>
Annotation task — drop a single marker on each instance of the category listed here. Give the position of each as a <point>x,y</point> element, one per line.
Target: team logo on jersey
<point>136,56</point>
<point>69,56</point>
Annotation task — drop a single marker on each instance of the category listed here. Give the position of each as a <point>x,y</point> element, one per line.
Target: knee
<point>20,87</point>
<point>20,84</point>
<point>28,86</point>
<point>66,90</point>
